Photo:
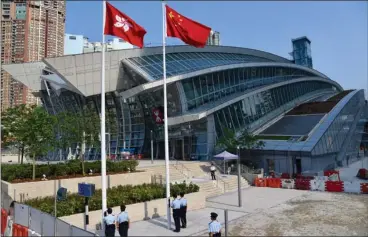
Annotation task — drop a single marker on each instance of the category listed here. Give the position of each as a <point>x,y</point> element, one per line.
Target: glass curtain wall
<point>212,87</point>
<point>243,113</point>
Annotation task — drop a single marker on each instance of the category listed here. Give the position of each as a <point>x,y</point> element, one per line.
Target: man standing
<point>213,170</point>
<point>109,221</point>
<point>123,222</point>
<point>183,210</point>
<point>214,227</point>
<point>176,212</point>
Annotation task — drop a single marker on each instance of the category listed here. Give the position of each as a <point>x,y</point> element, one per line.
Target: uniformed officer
<point>214,227</point>
<point>123,222</point>
<point>110,222</point>
<point>183,210</point>
<point>176,212</point>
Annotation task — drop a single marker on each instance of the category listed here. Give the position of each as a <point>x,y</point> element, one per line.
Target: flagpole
<point>103,135</point>
<point>166,130</point>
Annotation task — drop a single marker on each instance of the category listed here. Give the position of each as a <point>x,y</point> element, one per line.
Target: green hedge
<point>115,197</point>
<point>70,168</point>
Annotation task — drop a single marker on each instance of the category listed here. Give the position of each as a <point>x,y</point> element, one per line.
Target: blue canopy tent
<point>225,156</point>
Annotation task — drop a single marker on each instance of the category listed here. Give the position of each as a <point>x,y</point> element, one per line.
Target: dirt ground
<point>312,214</point>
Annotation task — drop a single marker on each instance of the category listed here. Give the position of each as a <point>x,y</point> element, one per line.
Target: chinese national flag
<point>189,31</point>
<point>120,25</point>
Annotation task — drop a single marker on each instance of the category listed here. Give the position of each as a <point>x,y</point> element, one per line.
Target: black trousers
<point>110,230</point>
<point>183,216</point>
<point>217,235</point>
<point>213,176</point>
<point>123,229</point>
<point>176,215</point>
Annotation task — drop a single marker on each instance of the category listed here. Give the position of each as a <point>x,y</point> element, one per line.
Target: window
<point>72,37</point>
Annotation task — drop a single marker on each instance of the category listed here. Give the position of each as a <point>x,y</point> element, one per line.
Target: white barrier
<point>351,187</point>
<point>317,185</point>
<point>288,183</point>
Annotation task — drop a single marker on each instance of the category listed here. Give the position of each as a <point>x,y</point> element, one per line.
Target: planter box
<point>139,211</point>
<point>29,190</point>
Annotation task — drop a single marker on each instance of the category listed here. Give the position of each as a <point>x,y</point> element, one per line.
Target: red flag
<point>189,31</point>
<point>120,25</point>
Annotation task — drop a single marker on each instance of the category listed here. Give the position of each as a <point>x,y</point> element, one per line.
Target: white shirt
<point>213,168</point>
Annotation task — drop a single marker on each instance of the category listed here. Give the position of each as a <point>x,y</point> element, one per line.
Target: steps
<point>175,174</point>
<point>233,183</point>
<point>210,188</point>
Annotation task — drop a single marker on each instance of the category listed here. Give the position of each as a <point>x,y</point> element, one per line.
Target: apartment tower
<point>31,30</point>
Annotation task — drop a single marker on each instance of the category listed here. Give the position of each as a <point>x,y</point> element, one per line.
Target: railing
<point>183,169</point>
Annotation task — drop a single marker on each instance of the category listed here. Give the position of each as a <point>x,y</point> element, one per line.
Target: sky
<point>338,29</point>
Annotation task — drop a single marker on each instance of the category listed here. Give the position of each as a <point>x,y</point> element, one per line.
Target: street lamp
<point>151,147</point>
<point>239,179</point>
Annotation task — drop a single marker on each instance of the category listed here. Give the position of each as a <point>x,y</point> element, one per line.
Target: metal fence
<point>43,224</point>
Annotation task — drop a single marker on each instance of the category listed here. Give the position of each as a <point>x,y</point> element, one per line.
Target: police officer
<point>123,222</point>
<point>183,210</point>
<point>214,227</point>
<point>110,222</point>
<point>176,212</point>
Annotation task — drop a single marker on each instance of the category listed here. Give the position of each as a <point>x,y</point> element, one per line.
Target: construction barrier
<point>300,176</point>
<point>4,220</point>
<point>317,185</point>
<point>330,172</point>
<point>274,183</point>
<point>364,188</point>
<point>260,182</point>
<point>363,174</point>
<point>351,187</point>
<point>302,184</point>
<point>288,183</point>
<point>285,176</point>
<point>334,186</point>
<point>20,231</point>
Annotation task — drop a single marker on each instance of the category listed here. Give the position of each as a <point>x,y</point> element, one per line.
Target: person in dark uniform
<point>110,222</point>
<point>123,222</point>
<point>183,210</point>
<point>214,227</point>
<point>175,205</point>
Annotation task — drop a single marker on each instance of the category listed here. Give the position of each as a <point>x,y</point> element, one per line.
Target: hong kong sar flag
<point>120,25</point>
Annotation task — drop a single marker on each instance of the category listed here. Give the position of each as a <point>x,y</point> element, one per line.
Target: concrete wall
<point>138,211</point>
<point>28,190</point>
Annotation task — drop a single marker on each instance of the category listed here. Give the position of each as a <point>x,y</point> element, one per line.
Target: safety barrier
<point>363,173</point>
<point>364,188</point>
<point>4,220</point>
<point>335,186</point>
<point>285,176</point>
<point>20,231</point>
<point>352,187</point>
<point>317,185</point>
<point>288,183</point>
<point>302,184</point>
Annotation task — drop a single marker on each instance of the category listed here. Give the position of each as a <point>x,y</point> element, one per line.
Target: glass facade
<point>302,53</point>
<point>180,63</point>
<point>212,87</point>
<point>335,136</point>
<point>253,109</point>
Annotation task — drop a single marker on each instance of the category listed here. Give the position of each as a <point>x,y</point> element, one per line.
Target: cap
<point>214,215</point>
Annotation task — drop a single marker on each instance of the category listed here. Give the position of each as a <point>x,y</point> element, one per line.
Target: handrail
<point>183,167</point>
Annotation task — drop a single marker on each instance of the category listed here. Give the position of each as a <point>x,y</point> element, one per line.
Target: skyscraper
<point>31,30</point>
<point>214,38</point>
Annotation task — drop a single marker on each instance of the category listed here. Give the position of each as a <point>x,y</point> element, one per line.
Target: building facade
<point>209,89</point>
<point>78,44</point>
<point>31,30</point>
<point>214,38</point>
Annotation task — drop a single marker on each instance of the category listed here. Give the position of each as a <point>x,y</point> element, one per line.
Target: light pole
<point>151,147</point>
<point>239,179</point>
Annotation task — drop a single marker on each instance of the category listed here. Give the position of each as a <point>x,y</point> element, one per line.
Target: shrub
<point>70,168</point>
<point>115,197</point>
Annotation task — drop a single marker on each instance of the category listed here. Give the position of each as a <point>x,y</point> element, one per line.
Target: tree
<point>15,126</point>
<point>40,135</point>
<point>230,140</point>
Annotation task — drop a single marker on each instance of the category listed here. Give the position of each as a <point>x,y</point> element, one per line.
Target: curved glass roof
<point>181,63</point>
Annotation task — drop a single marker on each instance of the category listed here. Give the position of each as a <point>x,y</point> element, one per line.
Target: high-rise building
<point>77,44</point>
<point>214,38</point>
<point>31,30</point>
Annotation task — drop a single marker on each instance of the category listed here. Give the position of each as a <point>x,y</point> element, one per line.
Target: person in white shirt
<point>213,170</point>
<point>122,222</point>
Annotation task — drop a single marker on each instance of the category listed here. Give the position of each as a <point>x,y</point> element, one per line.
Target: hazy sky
<point>338,29</point>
